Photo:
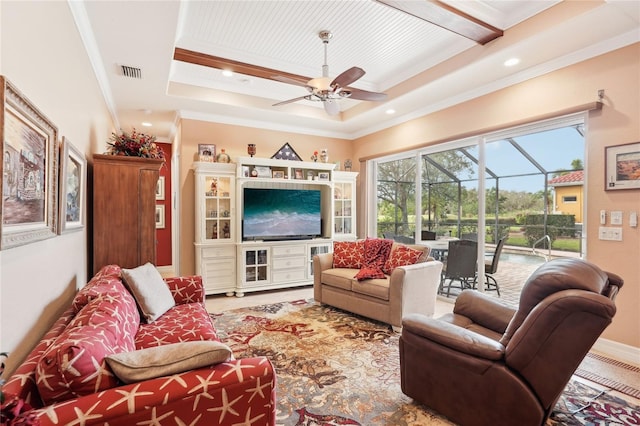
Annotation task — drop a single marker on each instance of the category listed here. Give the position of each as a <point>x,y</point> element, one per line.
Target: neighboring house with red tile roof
<point>568,194</point>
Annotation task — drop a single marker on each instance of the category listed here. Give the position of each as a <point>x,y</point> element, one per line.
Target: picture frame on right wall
<point>622,166</point>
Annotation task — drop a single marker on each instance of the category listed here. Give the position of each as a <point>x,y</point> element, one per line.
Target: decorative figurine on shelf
<point>226,231</point>
<point>223,157</point>
<point>314,157</point>
<point>324,155</point>
<point>214,234</point>
<point>347,165</point>
<point>251,149</point>
<point>214,187</point>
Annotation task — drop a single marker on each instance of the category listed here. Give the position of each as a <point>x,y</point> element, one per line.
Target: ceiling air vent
<point>131,72</point>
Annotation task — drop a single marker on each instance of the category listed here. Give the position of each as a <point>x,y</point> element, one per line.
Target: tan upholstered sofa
<point>407,289</point>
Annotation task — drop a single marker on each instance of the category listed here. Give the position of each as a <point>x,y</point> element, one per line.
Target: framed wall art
<point>73,183</point>
<point>159,216</point>
<point>29,170</point>
<point>160,188</point>
<point>622,166</point>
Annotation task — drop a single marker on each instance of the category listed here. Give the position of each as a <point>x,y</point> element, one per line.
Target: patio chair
<point>460,266</point>
<point>404,239</point>
<point>491,267</point>
<point>470,236</point>
<point>428,235</point>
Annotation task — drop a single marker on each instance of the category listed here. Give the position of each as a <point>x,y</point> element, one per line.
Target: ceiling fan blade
<point>288,80</point>
<point>347,77</point>
<point>290,100</point>
<point>331,107</point>
<point>365,95</point>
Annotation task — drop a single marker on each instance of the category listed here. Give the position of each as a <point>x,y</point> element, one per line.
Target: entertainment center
<point>259,222</point>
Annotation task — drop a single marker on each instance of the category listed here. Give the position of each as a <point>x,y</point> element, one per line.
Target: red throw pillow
<point>401,256</point>
<point>348,254</point>
<point>74,364</point>
<point>376,252</point>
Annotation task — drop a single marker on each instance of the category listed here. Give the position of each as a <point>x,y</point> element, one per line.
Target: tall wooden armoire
<point>124,212</point>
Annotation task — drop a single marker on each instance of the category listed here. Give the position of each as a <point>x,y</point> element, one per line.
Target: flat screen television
<point>281,214</point>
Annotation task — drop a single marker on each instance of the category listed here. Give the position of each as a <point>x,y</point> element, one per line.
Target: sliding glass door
<point>531,191</point>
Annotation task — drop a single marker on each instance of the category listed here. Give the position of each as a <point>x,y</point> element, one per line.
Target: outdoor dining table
<point>439,247</point>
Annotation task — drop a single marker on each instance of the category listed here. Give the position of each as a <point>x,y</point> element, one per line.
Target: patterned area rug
<point>339,369</point>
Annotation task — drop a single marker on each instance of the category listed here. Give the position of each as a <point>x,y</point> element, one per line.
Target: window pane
<point>396,198</point>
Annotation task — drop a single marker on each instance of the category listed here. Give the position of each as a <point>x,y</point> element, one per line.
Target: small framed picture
<point>263,171</point>
<point>622,166</point>
<point>278,174</point>
<point>323,176</point>
<point>160,188</point>
<point>246,171</point>
<point>297,173</point>
<point>73,176</point>
<point>159,216</point>
<point>207,152</point>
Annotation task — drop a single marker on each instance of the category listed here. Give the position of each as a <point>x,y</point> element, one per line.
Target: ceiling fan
<point>322,89</point>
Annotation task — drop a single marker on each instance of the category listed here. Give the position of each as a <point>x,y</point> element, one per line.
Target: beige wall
<point>234,140</point>
<point>618,73</point>
<point>42,55</point>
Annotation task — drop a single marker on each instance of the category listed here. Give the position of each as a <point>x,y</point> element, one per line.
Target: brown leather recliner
<point>487,364</point>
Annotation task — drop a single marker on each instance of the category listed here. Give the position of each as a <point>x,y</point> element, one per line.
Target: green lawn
<point>564,244</point>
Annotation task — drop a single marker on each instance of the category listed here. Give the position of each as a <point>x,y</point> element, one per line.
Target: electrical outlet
<point>610,234</point>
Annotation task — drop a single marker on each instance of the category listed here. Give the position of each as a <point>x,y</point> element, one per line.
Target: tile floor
<point>511,276</point>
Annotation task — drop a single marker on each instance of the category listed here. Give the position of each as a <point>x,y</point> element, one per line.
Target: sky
<point>553,150</point>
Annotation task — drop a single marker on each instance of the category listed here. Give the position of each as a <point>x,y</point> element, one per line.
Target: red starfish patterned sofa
<point>66,380</point>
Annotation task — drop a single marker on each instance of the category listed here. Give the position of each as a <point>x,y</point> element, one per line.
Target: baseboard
<point>618,351</point>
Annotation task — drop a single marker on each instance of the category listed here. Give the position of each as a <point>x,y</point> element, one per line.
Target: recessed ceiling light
<point>146,124</point>
<point>511,62</point>
<point>390,111</point>
<point>227,73</point>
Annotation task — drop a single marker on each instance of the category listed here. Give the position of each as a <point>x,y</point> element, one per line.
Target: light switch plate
<point>616,218</point>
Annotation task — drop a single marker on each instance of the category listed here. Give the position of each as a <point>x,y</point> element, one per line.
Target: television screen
<point>274,214</point>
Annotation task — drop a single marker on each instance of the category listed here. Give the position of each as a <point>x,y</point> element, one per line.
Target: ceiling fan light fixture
<point>331,107</point>
<point>330,91</point>
<point>319,84</point>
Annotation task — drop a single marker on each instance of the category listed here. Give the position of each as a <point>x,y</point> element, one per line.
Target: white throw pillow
<point>149,363</point>
<point>150,291</point>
